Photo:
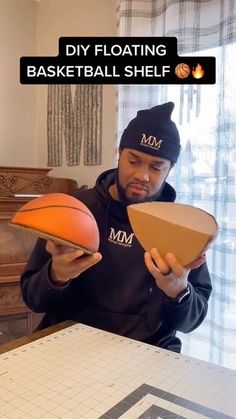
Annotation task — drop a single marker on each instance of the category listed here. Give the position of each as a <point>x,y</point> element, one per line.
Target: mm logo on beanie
<point>151,141</point>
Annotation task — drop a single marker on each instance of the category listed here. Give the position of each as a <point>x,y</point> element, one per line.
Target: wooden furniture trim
<point>12,271</point>
<point>31,180</point>
<point>16,343</point>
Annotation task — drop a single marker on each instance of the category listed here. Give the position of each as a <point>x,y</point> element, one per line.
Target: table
<point>78,371</point>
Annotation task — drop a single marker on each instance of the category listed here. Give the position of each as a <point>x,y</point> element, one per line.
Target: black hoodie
<point>118,294</point>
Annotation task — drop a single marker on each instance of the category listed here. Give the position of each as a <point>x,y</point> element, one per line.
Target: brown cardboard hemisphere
<point>181,229</point>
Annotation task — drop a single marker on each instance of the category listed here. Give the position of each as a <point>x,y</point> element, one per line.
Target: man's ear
<point>119,153</point>
<point>171,167</point>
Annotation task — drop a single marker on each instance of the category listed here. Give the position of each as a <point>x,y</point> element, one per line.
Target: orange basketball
<point>62,218</point>
<point>182,70</point>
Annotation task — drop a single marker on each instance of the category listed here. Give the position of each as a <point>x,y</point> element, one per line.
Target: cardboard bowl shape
<point>62,218</point>
<point>181,229</point>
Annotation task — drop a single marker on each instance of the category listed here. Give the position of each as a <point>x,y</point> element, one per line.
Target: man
<point>122,289</point>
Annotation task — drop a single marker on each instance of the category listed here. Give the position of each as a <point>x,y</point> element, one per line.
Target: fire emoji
<point>198,71</point>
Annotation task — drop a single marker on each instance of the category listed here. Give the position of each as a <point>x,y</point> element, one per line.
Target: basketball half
<point>62,218</point>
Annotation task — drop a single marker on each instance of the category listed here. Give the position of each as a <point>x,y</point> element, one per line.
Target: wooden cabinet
<point>16,319</point>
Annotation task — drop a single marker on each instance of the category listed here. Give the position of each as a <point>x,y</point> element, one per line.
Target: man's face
<point>140,176</point>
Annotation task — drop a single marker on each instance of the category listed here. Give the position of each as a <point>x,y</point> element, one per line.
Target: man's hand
<point>170,276</point>
<point>68,263</point>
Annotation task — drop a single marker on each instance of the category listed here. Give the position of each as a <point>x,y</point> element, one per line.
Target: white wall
<point>56,18</point>
<point>32,28</point>
<point>17,102</point>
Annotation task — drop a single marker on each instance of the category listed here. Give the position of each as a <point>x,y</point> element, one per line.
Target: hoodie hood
<point>107,178</point>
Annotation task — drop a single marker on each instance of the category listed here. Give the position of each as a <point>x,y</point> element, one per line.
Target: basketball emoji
<point>62,218</point>
<point>182,71</point>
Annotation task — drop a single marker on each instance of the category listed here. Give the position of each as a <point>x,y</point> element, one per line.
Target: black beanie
<point>153,132</point>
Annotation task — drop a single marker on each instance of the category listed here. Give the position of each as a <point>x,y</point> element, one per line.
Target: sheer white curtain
<point>205,174</point>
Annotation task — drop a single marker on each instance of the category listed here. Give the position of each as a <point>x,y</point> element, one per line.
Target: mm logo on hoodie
<point>120,237</point>
<point>151,142</point>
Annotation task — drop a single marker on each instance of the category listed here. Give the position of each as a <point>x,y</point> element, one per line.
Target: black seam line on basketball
<point>57,206</point>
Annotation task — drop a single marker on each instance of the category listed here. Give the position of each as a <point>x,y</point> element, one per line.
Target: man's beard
<point>127,201</point>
